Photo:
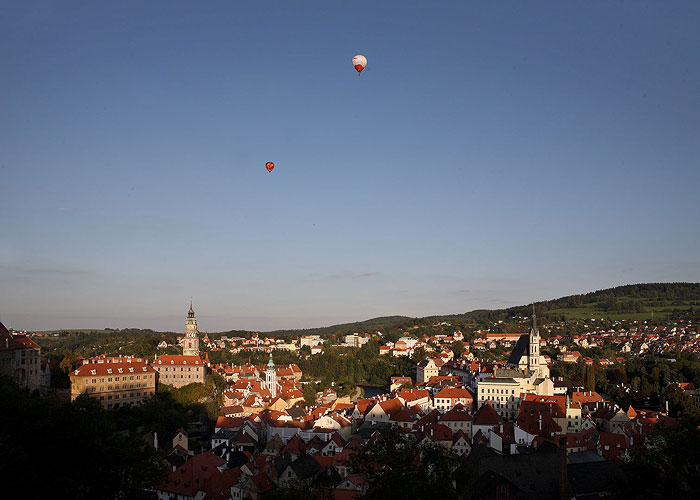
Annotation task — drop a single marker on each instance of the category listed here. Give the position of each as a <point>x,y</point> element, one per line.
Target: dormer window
<point>131,369</point>
<point>109,370</point>
<point>120,370</point>
<point>94,372</point>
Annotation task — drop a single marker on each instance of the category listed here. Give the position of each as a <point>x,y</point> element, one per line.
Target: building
<point>179,370</point>
<point>526,373</point>
<point>190,346</point>
<point>20,359</point>
<point>426,369</point>
<point>355,340</point>
<point>448,397</point>
<point>114,384</point>
<point>271,378</point>
<point>310,340</point>
<point>526,354</point>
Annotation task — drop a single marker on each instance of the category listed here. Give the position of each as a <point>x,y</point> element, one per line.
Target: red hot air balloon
<point>359,62</point>
<point>269,166</point>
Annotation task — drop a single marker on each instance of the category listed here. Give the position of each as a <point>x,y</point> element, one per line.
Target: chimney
<point>563,477</point>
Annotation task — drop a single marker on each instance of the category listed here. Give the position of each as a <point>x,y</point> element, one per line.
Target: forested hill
<point>628,301</point>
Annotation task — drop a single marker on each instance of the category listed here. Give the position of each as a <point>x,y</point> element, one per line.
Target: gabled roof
<point>114,369</point>
<point>391,406</point>
<point>460,435</point>
<point>458,413</point>
<point>193,475</point>
<point>438,432</point>
<point>295,446</point>
<point>178,359</point>
<point>521,349</point>
<point>486,415</point>
<point>305,467</point>
<point>454,392</point>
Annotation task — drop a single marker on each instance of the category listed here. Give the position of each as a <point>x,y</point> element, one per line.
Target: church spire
<point>534,318</point>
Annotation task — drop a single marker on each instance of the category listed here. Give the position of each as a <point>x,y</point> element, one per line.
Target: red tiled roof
<point>458,413</point>
<point>454,393</point>
<point>94,369</point>
<point>486,415</point>
<point>177,359</point>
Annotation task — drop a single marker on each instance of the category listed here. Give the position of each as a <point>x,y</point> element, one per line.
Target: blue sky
<point>491,154</point>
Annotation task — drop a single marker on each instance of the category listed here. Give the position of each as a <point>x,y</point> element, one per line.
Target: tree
<point>397,466</point>
<point>75,448</point>
<point>419,354</point>
<point>310,394</point>
<point>679,403</point>
<point>589,377</point>
<point>666,464</point>
<point>457,348</point>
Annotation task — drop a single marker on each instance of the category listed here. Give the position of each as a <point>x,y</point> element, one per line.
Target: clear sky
<point>491,154</point>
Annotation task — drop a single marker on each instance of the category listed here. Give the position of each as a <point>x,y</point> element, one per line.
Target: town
<point>505,402</point>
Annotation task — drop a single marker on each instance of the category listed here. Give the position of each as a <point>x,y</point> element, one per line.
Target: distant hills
<point>623,302</point>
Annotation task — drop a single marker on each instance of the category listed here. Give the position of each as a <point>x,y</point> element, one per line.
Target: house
<point>303,469</point>
<point>425,370</point>
<point>198,477</point>
<point>486,419</point>
<point>448,397</point>
<point>458,419</point>
<point>461,443</point>
<point>20,359</point>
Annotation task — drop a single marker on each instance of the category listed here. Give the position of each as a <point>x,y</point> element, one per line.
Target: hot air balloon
<point>269,166</point>
<point>359,62</point>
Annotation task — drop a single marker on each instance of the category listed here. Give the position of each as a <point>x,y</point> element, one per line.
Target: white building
<point>426,369</point>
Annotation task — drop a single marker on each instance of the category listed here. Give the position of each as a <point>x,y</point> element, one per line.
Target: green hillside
<point>631,302</point>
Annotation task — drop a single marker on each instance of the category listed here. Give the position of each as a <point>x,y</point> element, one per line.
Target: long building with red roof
<point>178,370</point>
<point>114,384</point>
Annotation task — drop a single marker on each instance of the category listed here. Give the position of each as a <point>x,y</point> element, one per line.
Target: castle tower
<point>533,359</point>
<point>190,346</point>
<point>271,377</point>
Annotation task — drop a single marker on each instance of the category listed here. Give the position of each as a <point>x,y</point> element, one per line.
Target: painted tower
<point>271,377</point>
<point>190,346</point>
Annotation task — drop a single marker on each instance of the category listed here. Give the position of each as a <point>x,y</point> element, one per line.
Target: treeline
<point>75,450</point>
<point>642,383</point>
<point>621,299</point>
<point>342,366</point>
<point>111,343</point>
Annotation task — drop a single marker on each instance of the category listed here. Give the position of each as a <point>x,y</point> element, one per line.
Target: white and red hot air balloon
<point>359,62</point>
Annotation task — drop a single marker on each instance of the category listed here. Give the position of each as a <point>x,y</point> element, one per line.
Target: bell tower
<point>190,346</point>
<point>533,359</point>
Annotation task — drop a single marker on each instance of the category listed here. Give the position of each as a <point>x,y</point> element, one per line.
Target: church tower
<point>271,377</point>
<point>534,354</point>
<point>190,346</point>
